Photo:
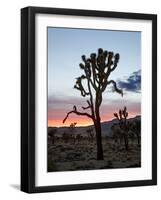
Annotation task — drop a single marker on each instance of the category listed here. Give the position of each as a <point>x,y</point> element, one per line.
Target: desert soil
<point>82,155</point>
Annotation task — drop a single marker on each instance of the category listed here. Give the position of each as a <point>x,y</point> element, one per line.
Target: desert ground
<point>81,155</point>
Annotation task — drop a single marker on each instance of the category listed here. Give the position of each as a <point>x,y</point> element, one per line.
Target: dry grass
<point>82,156</point>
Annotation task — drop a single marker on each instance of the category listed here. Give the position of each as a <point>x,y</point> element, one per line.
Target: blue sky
<point>65,48</point>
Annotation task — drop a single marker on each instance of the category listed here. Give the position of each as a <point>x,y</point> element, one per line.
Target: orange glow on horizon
<point>59,123</point>
<point>82,121</point>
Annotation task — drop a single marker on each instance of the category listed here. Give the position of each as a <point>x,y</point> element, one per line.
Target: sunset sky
<point>65,48</point>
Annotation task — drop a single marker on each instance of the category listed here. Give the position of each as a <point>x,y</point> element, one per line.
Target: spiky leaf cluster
<point>97,69</point>
<point>121,115</point>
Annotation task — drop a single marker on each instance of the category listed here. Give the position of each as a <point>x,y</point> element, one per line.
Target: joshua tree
<point>92,83</point>
<point>124,125</point>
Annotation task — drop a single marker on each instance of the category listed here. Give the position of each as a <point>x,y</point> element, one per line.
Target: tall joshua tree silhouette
<point>92,83</point>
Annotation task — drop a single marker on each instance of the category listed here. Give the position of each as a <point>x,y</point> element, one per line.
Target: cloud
<point>131,83</point>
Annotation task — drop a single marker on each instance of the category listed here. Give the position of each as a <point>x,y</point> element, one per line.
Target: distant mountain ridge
<point>106,127</point>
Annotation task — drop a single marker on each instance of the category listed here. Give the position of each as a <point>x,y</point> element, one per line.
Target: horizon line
<point>92,123</point>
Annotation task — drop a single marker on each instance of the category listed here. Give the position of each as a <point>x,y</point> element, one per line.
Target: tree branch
<point>89,105</point>
<point>79,86</point>
<point>84,108</point>
<point>77,113</point>
<point>91,100</point>
<point>117,57</point>
<point>88,75</point>
<point>90,80</point>
<point>109,67</point>
<point>115,87</point>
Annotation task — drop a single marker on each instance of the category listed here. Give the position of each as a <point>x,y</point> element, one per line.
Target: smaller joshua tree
<point>121,116</point>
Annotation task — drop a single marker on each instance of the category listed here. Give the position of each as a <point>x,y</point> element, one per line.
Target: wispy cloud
<point>131,83</point>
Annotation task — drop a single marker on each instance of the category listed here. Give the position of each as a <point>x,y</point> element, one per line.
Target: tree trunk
<point>99,140</point>
<point>97,123</point>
